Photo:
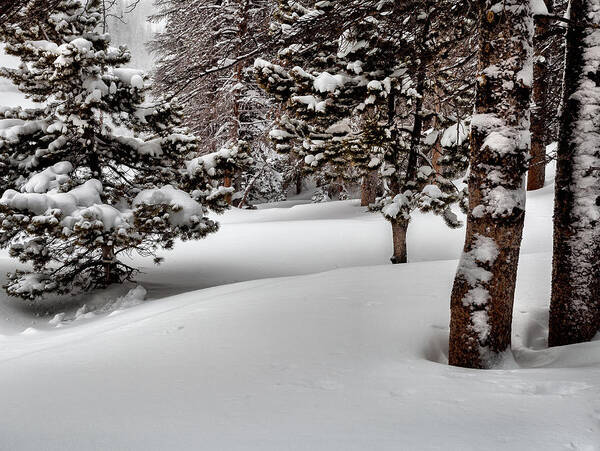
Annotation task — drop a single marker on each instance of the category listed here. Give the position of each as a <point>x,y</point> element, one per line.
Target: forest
<point>299,224</point>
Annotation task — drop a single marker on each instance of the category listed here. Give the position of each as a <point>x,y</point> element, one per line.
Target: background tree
<point>539,111</point>
<point>360,98</point>
<point>220,100</point>
<point>483,292</point>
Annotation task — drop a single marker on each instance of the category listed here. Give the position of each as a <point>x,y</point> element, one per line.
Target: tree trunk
<point>400,225</point>
<point>298,164</point>
<point>108,251</point>
<point>108,260</point>
<point>399,229</point>
<point>436,151</point>
<point>369,189</point>
<point>539,111</point>
<point>575,302</point>
<point>484,286</point>
<point>227,183</point>
<point>299,183</point>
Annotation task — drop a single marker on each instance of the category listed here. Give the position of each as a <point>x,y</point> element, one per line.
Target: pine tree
<point>575,306</point>
<point>221,100</point>
<point>483,293</point>
<point>12,10</point>
<point>357,98</point>
<point>96,171</point>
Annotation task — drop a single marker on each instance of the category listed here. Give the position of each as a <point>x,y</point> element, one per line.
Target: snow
<point>79,207</point>
<point>152,147</point>
<point>321,345</point>
<point>134,30</point>
<point>539,8</point>
<point>312,103</point>
<point>130,77</point>
<point>84,195</point>
<point>49,178</point>
<point>9,95</point>
<point>208,163</point>
<point>455,135</point>
<point>327,82</point>
<point>503,201</point>
<point>185,209</point>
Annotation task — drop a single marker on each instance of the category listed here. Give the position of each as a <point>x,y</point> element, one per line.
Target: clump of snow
<point>30,283</point>
<point>312,103</point>
<point>132,298</point>
<point>455,135</point>
<point>130,77</point>
<point>12,129</point>
<point>326,82</point>
<point>81,206</point>
<point>397,207</point>
<point>186,210</point>
<point>49,178</point>
<point>208,163</point>
<point>83,313</point>
<point>57,319</point>
<point>502,202</point>
<point>153,147</point>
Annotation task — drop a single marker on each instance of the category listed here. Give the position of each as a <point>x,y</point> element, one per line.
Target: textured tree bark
<point>539,111</point>
<point>227,183</point>
<point>575,301</point>
<point>369,189</point>
<point>436,155</point>
<point>483,292</point>
<point>436,151</point>
<point>399,229</point>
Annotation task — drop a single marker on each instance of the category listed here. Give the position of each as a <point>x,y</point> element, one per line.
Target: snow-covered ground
<point>350,357</point>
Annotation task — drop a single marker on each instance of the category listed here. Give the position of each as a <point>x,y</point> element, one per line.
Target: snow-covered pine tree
<point>575,306</point>
<point>221,102</point>
<point>95,171</point>
<point>357,99</point>
<point>308,123</point>
<point>484,287</point>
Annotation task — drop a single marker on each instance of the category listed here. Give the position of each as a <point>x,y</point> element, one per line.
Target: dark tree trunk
<point>227,183</point>
<point>108,251</point>
<point>399,229</point>
<point>575,303</point>
<point>369,188</point>
<point>108,261</point>
<point>299,183</point>
<point>539,111</point>
<point>483,292</point>
<point>436,151</point>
